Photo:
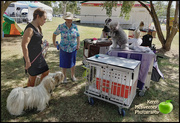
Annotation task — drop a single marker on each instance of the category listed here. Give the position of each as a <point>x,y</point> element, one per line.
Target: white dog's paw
<point>125,47</point>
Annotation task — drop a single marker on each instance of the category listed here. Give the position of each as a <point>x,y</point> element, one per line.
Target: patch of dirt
<point>171,53</point>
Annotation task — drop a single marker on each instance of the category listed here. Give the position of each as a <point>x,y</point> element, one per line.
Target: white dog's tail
<point>15,101</point>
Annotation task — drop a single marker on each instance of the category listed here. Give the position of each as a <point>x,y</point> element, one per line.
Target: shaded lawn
<point>68,102</point>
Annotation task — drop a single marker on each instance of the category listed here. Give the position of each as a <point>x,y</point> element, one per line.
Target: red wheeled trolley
<point>112,79</point>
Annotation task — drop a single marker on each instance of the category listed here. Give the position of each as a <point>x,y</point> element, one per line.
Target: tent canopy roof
<point>27,3</point>
<point>43,5</point>
<point>8,19</point>
<point>36,5</point>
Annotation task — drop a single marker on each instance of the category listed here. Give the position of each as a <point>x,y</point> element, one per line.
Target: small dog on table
<point>38,97</point>
<point>118,36</point>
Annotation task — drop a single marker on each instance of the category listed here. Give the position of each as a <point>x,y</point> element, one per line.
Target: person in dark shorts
<point>35,63</point>
<point>69,44</point>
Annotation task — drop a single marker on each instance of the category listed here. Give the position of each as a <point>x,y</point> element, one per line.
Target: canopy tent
<point>31,6</point>
<point>47,8</point>
<point>12,8</point>
<point>10,27</point>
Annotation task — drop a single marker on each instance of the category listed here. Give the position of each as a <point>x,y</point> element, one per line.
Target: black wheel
<point>141,93</point>
<point>91,101</point>
<point>121,112</point>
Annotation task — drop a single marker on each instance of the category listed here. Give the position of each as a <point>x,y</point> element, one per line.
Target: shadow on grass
<point>14,39</point>
<point>12,69</point>
<point>69,103</point>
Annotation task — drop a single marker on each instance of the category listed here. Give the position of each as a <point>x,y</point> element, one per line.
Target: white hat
<point>68,15</point>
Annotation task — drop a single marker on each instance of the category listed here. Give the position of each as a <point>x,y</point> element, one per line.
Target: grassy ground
<point>68,102</point>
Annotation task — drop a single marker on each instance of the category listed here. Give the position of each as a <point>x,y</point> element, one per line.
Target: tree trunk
<point>174,29</point>
<point>64,6</point>
<point>64,9</point>
<point>166,43</point>
<point>168,18</point>
<point>157,25</point>
<point>4,5</point>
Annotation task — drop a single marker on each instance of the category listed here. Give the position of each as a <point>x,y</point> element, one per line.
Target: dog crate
<point>112,79</point>
<point>145,71</point>
<point>95,46</point>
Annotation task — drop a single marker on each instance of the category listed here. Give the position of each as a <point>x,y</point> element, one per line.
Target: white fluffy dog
<point>33,97</point>
<point>58,77</point>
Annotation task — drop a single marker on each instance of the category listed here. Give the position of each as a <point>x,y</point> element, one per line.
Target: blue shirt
<point>68,37</point>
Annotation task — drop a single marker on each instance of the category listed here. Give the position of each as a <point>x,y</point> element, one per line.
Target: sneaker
<point>73,79</point>
<point>65,80</point>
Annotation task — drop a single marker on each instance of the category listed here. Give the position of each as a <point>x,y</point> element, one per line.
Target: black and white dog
<point>106,29</point>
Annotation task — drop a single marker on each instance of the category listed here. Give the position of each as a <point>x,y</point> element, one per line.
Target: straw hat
<point>68,15</point>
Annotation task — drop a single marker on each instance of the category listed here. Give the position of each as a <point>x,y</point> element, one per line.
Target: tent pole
<point>15,13</point>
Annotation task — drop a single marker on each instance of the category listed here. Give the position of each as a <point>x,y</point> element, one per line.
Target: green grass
<point>68,102</point>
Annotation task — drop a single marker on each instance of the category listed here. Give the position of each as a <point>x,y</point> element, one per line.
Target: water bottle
<point>45,42</point>
<point>57,45</point>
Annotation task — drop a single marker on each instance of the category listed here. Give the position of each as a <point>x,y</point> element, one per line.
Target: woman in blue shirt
<point>69,44</point>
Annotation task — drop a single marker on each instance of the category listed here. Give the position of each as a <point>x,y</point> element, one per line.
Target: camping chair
<point>147,42</point>
<point>156,73</point>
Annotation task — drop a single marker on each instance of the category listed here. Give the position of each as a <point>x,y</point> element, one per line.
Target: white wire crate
<point>112,79</point>
<point>145,70</point>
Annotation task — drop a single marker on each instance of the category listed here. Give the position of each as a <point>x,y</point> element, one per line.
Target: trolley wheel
<point>121,112</point>
<point>141,93</point>
<point>91,101</point>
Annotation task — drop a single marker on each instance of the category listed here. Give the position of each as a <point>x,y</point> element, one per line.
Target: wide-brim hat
<point>68,15</point>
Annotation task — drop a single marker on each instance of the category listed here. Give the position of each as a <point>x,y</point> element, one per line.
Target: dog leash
<point>37,56</point>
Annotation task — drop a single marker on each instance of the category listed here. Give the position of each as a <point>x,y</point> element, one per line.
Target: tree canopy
<point>154,10</point>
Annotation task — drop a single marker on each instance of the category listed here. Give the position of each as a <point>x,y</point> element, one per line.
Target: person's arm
<point>78,39</point>
<point>54,39</point>
<point>24,44</point>
<point>78,42</point>
<point>57,32</point>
